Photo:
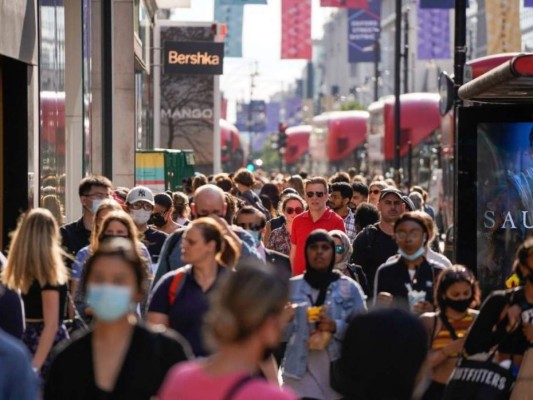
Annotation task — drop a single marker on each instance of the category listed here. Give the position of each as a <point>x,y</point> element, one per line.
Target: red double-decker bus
<point>232,153</point>
<point>297,147</point>
<point>337,141</point>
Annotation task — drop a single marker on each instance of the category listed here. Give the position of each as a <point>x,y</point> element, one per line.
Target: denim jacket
<point>344,298</point>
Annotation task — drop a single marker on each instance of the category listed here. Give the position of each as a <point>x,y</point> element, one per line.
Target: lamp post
<point>397,109</point>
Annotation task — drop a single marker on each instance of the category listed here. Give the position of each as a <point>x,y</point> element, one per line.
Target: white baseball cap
<point>140,193</point>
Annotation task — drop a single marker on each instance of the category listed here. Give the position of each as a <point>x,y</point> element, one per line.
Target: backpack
<point>177,283</point>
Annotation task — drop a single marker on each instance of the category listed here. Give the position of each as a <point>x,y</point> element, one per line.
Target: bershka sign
<point>194,58</point>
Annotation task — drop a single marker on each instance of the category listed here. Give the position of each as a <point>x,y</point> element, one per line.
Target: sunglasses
<point>339,249</point>
<point>297,210</point>
<point>312,194</point>
<point>375,191</point>
<point>251,226</point>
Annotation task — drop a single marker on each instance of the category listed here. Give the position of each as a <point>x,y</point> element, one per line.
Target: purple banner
<point>363,33</point>
<point>293,111</point>
<point>437,4</point>
<point>272,117</point>
<point>528,3</point>
<point>433,34</point>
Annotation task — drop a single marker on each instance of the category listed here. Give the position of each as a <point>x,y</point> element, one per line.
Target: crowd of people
<point>242,287</point>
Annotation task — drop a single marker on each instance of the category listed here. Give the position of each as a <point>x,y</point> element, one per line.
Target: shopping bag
<point>479,380</point>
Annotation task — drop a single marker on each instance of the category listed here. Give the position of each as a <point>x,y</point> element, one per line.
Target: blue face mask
<point>95,205</point>
<point>256,235</point>
<point>411,257</point>
<point>109,302</point>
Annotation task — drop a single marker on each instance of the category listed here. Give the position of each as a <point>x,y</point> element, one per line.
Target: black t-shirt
<point>371,248</point>
<point>153,240</point>
<point>488,330</point>
<point>74,237</point>
<point>393,277</point>
<point>11,315</point>
<point>33,301</point>
<point>147,361</point>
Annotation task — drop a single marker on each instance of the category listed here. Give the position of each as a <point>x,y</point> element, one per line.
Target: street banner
<point>187,112</point>
<point>503,26</point>
<point>242,2</point>
<point>344,3</point>
<point>363,33</point>
<point>296,29</point>
<point>293,110</point>
<point>528,3</point>
<point>433,34</point>
<point>232,16</point>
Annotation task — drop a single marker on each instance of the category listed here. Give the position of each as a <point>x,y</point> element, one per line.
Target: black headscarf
<point>320,279</point>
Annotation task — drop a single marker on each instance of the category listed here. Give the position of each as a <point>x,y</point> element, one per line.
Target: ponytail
<point>229,252</point>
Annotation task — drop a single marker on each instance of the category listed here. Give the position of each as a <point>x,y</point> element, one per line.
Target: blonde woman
<point>35,267</point>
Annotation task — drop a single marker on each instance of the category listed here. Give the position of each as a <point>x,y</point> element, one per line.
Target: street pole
<point>460,46</point>
<point>397,109</point>
<point>377,56</point>
<point>406,52</point>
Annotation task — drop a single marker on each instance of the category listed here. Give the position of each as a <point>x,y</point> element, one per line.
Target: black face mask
<point>157,220</point>
<point>458,305</point>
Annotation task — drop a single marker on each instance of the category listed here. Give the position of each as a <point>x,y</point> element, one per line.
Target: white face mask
<point>95,204</point>
<point>140,217</point>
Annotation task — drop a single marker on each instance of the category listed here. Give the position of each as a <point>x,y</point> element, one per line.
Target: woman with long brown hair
<point>180,298</point>
<point>36,268</point>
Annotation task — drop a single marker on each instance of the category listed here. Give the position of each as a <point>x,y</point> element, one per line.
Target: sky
<point>261,49</point>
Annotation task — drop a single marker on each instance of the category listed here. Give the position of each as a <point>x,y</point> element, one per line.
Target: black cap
<point>387,191</point>
<point>409,203</point>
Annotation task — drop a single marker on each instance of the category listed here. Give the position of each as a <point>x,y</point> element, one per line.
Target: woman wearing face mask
<point>117,358</point>
<point>290,206</point>
<point>506,317</point>
<point>109,222</point>
<point>180,298</point>
<point>244,322</point>
<point>323,301</point>
<point>408,280</point>
<point>343,252</point>
<point>161,217</point>
<point>456,292</point>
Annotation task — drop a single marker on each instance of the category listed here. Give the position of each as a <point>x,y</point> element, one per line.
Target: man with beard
<point>339,200</point>
<point>375,244</point>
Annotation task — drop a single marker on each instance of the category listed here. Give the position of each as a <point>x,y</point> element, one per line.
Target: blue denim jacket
<point>344,298</point>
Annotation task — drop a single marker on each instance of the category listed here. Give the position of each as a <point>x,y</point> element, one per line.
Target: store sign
<point>195,58</point>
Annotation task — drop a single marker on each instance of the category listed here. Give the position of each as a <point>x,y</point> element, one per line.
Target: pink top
<point>189,381</point>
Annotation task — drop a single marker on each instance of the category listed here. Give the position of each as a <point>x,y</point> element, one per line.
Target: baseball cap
<point>140,193</point>
<point>387,191</point>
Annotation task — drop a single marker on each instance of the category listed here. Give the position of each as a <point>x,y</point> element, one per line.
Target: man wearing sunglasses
<point>318,216</point>
<point>253,221</point>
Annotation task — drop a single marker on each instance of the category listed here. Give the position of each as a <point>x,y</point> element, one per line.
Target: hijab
<point>343,264</point>
<point>320,279</point>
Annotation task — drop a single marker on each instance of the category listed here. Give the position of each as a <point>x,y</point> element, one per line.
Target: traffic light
<point>282,136</point>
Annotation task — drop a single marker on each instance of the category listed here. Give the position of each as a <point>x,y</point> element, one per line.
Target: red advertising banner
<point>344,3</point>
<point>296,29</point>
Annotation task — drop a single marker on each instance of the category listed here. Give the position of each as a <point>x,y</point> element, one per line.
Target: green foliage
<point>352,105</point>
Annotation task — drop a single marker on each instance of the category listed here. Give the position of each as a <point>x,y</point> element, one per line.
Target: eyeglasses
<point>375,191</point>
<point>99,196</point>
<point>296,210</point>
<point>339,249</point>
<point>251,226</point>
<point>141,204</point>
<point>312,194</point>
<point>413,235</point>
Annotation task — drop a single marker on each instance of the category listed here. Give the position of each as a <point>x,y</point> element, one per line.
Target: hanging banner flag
<point>296,29</point>
<point>433,34</point>
<point>363,33</point>
<point>437,4</point>
<point>503,26</point>
<point>232,16</point>
<point>344,3</point>
<point>528,3</point>
<point>242,2</point>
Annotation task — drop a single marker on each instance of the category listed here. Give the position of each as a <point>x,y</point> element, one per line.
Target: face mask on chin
<point>256,235</point>
<point>411,257</point>
<point>458,305</point>
<point>158,220</point>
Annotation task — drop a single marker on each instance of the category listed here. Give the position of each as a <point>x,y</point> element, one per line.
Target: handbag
<point>479,380</point>
<point>77,323</point>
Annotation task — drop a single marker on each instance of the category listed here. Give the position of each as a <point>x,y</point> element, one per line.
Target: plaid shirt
<point>349,223</point>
